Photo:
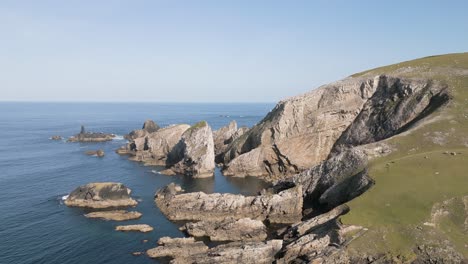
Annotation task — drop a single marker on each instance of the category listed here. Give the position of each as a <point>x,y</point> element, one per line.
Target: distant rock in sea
<point>101,195</point>
<point>56,137</point>
<point>138,228</point>
<point>98,153</point>
<point>84,136</point>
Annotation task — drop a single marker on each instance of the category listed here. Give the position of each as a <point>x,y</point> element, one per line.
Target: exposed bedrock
<point>114,215</point>
<point>301,131</point>
<point>333,181</point>
<point>225,136</point>
<point>187,250</point>
<point>229,229</point>
<point>282,207</point>
<point>101,195</point>
<point>84,136</point>
<point>193,155</point>
<point>148,127</point>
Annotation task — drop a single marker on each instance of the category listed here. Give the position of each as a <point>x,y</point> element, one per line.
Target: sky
<point>210,51</point>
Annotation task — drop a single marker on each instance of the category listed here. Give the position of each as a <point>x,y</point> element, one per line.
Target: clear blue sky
<point>210,51</point>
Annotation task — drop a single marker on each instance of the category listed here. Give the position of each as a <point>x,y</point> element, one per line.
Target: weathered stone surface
<point>115,215</point>
<point>229,229</point>
<point>282,207</point>
<point>302,131</point>
<point>225,136</point>
<point>236,252</point>
<point>98,153</point>
<point>334,181</point>
<point>148,127</point>
<point>154,148</point>
<point>194,154</point>
<point>177,248</point>
<point>84,136</point>
<point>138,228</point>
<point>101,195</point>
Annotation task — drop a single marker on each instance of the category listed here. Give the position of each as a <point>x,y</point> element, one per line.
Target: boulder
<point>56,137</point>
<point>138,228</point>
<point>84,136</point>
<point>115,215</point>
<point>98,153</point>
<point>101,195</point>
<point>194,154</point>
<point>229,229</point>
<point>282,207</point>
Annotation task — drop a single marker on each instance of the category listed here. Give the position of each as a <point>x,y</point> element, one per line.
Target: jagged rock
<point>282,207</point>
<point>177,248</point>
<point>225,136</point>
<point>186,250</point>
<point>229,229</point>
<point>154,148</point>
<point>168,172</point>
<point>84,136</point>
<point>334,181</point>
<point>99,153</point>
<point>139,228</point>
<point>115,215</point>
<point>302,131</point>
<point>194,154</point>
<point>148,127</point>
<point>56,138</point>
<point>101,195</point>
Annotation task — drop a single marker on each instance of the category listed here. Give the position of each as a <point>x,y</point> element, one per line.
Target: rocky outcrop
<point>135,228</point>
<point>194,154</point>
<point>101,195</point>
<point>225,136</point>
<point>186,250</point>
<point>333,181</point>
<point>148,127</point>
<point>229,229</point>
<point>84,136</point>
<point>115,215</point>
<point>282,207</point>
<point>98,153</point>
<point>56,137</point>
<point>302,131</point>
<point>153,148</point>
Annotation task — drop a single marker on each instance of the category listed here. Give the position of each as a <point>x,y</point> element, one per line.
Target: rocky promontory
<point>85,136</point>
<point>101,195</point>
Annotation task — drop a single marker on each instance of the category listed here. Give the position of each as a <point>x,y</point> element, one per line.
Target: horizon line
<point>117,101</point>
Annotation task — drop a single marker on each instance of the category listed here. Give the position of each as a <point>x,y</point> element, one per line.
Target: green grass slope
<point>421,173</point>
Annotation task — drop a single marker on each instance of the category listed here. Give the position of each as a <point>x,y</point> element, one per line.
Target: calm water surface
<point>36,172</point>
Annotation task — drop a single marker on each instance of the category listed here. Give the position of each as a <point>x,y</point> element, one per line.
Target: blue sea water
<point>35,172</point>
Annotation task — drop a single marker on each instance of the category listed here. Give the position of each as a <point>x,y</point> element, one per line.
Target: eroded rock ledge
<point>101,195</point>
<point>283,207</point>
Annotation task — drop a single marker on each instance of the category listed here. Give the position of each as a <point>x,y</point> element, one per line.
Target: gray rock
<point>148,127</point>
<point>101,195</point>
<point>114,215</point>
<point>84,136</point>
<point>229,229</point>
<point>225,136</point>
<point>194,154</point>
<point>177,248</point>
<point>282,207</point>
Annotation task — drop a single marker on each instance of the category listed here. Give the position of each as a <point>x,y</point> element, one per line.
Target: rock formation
<point>84,136</point>
<point>138,228</point>
<point>56,137</point>
<point>115,215</point>
<point>225,136</point>
<point>302,131</point>
<point>101,195</point>
<point>98,153</point>
<point>148,127</point>
<point>282,207</point>
<point>194,154</point>
<point>229,229</point>
<point>177,248</point>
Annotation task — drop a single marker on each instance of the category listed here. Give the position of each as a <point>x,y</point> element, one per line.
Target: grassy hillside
<point>428,167</point>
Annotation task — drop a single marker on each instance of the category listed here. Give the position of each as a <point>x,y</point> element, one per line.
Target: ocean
<point>36,172</point>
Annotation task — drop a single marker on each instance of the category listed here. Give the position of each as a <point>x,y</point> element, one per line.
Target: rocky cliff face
<point>302,131</point>
<point>194,153</point>
<point>148,127</point>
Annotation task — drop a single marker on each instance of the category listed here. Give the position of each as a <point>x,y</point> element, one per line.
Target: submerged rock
<point>194,154</point>
<point>98,153</point>
<point>115,215</point>
<point>229,229</point>
<point>84,136</point>
<point>282,207</point>
<point>139,228</point>
<point>101,195</point>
